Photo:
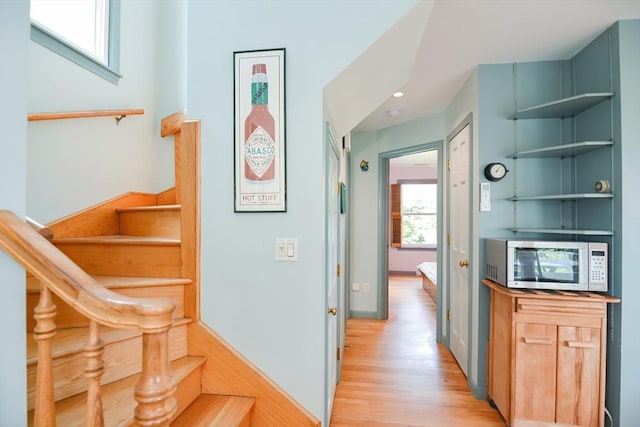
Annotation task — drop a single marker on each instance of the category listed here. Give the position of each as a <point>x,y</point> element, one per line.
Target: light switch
<point>280,250</point>
<point>286,249</point>
<point>485,197</point>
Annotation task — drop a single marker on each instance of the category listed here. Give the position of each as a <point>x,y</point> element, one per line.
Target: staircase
<point>142,260</point>
<point>139,355</point>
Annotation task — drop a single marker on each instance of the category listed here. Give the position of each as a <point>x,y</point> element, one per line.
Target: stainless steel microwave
<point>535,264</point>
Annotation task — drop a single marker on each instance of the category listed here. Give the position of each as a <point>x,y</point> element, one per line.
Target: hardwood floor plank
<point>395,374</point>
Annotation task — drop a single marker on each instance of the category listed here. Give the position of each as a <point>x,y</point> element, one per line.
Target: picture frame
<point>259,131</point>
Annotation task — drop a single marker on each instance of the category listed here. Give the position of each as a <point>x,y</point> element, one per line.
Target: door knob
<point>333,311</point>
<point>464,263</point>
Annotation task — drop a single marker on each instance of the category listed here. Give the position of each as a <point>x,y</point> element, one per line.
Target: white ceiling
<point>460,34</point>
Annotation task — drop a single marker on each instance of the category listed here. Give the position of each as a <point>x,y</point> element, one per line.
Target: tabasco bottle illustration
<point>259,130</point>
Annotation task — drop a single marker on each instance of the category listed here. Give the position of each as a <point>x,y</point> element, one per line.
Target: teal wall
<point>73,164</point>
<point>610,63</point>
<point>14,40</point>
<point>465,107</point>
<point>624,345</point>
<point>272,312</point>
<point>365,187</point>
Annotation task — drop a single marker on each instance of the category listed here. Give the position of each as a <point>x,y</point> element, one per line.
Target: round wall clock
<point>495,171</point>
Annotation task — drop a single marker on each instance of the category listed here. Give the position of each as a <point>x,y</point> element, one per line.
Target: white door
<point>459,193</point>
<point>333,254</point>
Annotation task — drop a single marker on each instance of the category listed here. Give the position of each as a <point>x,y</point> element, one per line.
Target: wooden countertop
<point>551,294</point>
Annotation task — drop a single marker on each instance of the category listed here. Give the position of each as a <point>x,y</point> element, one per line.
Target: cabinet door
<point>535,373</point>
<point>578,399</point>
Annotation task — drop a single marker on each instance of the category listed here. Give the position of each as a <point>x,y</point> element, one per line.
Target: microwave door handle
<point>538,267</point>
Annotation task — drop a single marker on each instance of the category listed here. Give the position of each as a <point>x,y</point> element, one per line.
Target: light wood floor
<point>395,374</point>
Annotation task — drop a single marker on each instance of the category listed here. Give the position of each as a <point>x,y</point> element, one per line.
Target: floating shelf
<point>563,231</point>
<point>578,196</point>
<point>562,108</point>
<point>564,150</point>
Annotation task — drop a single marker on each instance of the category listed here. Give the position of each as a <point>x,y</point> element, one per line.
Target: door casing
<point>384,213</point>
<point>333,341</point>
<point>468,120</point>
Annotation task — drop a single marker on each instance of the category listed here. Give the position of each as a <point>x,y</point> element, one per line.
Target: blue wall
<point>610,63</point>
<point>624,345</point>
<point>14,43</point>
<point>272,312</point>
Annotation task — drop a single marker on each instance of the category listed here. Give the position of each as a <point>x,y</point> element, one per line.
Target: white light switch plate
<point>286,249</point>
<point>485,197</point>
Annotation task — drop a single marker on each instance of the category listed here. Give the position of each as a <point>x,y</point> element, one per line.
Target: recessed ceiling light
<point>398,94</point>
<point>393,113</point>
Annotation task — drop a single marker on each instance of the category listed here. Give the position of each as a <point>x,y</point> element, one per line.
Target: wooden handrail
<point>75,286</point>
<point>58,274</point>
<point>118,114</point>
<point>44,231</point>
<point>171,124</point>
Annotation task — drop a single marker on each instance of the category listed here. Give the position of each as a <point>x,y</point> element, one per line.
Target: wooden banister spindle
<point>95,369</point>
<point>45,330</point>
<point>155,391</point>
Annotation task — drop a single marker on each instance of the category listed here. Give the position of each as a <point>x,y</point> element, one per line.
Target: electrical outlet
<point>366,286</point>
<point>355,286</point>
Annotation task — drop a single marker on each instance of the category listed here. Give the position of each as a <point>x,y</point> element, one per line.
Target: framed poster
<point>259,124</point>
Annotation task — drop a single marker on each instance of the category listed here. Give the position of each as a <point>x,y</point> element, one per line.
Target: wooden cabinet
<point>547,355</point>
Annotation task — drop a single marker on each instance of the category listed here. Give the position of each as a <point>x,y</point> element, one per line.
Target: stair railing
<point>153,316</point>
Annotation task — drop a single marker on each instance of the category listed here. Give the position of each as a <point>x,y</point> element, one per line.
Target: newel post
<point>155,391</point>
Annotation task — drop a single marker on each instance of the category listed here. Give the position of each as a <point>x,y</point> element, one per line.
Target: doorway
<point>415,234</point>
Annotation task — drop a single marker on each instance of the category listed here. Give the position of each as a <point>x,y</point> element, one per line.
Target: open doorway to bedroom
<point>411,257</point>
<point>413,223</point>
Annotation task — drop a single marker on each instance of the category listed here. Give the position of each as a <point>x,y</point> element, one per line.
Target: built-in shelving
<point>562,231</point>
<point>577,196</point>
<point>564,150</point>
<point>562,108</point>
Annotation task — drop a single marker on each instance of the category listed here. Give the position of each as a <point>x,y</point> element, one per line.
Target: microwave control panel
<point>597,269</point>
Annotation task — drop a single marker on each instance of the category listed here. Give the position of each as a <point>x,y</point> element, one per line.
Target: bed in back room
<point>429,273</point>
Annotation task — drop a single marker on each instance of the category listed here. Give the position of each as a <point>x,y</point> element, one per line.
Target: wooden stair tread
<point>118,282</point>
<point>150,208</point>
<point>73,340</point>
<point>118,240</point>
<point>117,397</point>
<point>211,410</point>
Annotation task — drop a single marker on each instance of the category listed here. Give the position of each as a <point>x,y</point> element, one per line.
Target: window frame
<point>414,246</point>
<point>110,71</point>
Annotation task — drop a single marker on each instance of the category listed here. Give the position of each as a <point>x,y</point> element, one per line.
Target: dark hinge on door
<point>338,270</point>
<point>338,353</point>
<point>449,164</point>
<point>448,314</point>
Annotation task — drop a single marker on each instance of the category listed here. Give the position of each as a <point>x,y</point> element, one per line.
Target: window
<point>414,214</point>
<point>83,31</point>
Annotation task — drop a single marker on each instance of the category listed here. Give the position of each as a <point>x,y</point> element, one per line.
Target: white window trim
<point>402,214</point>
<point>55,43</point>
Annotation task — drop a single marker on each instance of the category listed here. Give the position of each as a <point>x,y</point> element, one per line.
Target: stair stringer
<point>227,372</point>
